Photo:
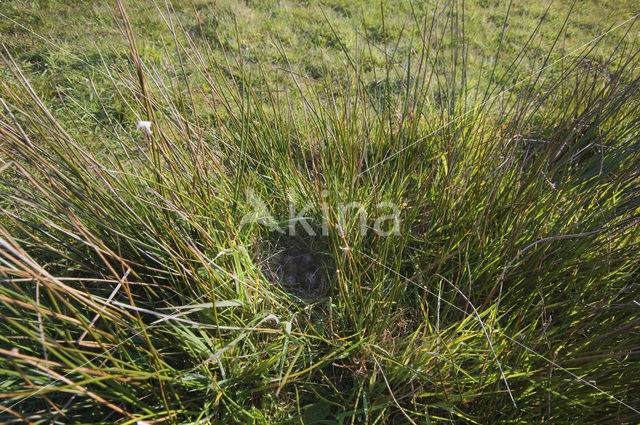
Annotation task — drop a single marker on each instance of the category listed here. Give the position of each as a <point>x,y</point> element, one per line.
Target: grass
<point>505,290</point>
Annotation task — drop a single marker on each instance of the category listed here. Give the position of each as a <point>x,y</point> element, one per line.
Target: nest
<point>296,268</point>
<point>301,273</point>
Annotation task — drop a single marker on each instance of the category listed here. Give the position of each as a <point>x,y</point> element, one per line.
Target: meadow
<point>319,212</point>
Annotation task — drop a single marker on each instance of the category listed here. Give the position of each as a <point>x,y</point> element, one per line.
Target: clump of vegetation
<point>467,248</point>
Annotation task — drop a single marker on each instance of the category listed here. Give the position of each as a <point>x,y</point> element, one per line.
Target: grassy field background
<point>504,290</point>
<point>62,44</point>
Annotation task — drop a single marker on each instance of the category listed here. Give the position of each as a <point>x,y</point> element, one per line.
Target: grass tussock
<point>504,290</point>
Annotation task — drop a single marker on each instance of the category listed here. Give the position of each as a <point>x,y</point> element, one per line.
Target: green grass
<point>132,289</point>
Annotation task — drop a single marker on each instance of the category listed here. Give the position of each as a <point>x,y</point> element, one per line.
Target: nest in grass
<point>298,270</point>
<point>301,273</point>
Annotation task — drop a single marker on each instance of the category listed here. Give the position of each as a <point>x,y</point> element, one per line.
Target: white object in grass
<point>145,127</point>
